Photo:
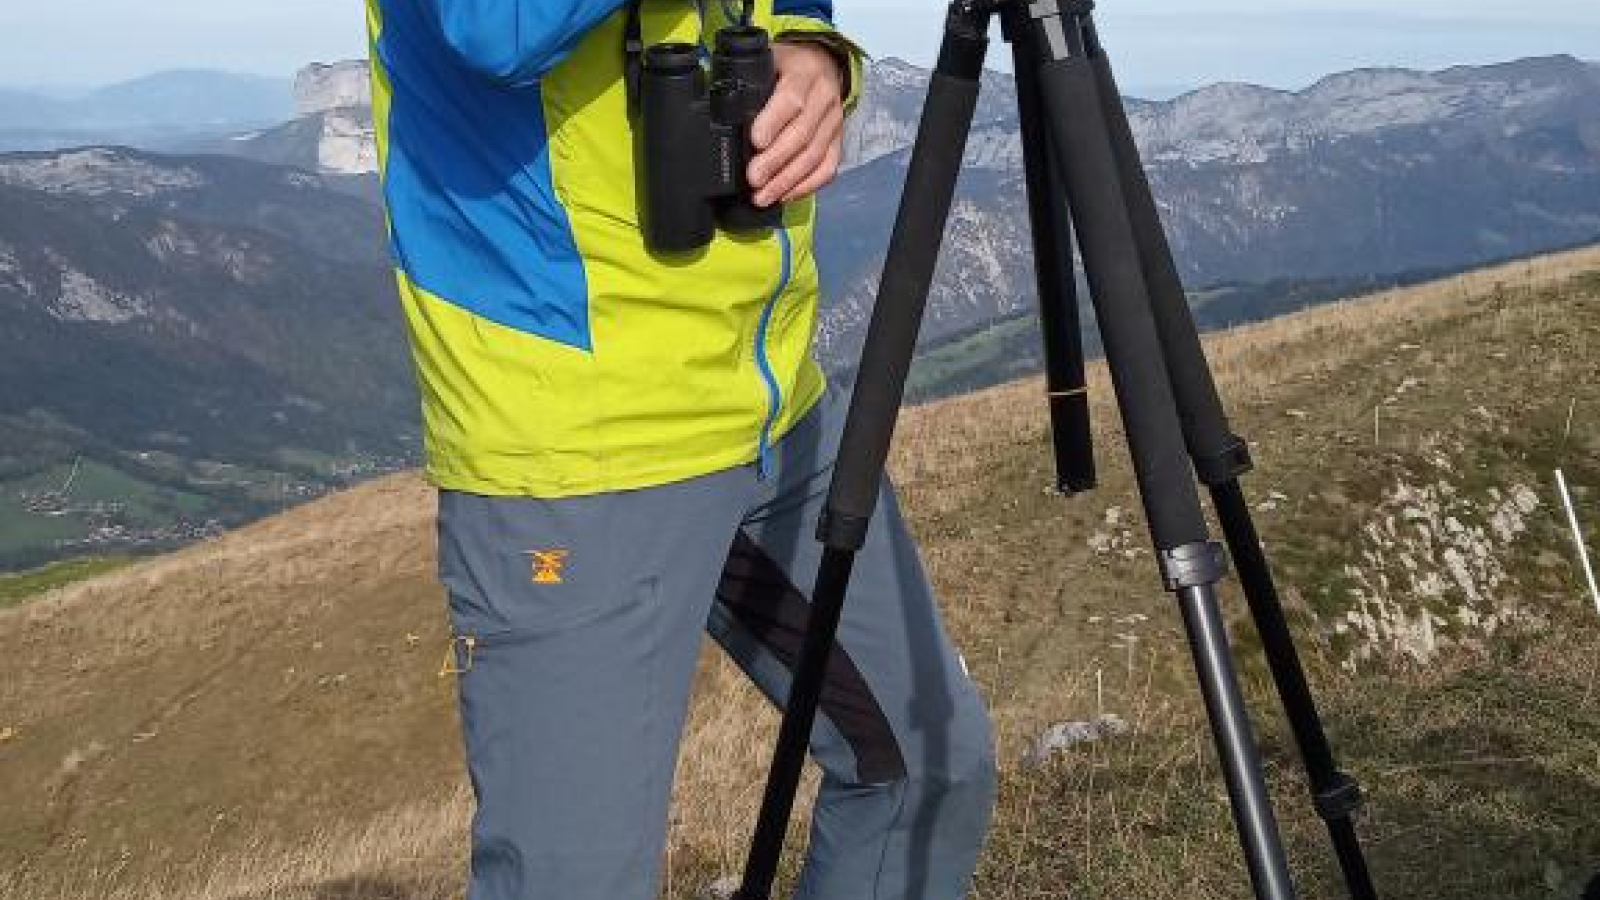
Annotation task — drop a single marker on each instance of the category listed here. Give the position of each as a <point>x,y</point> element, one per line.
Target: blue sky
<point>1159,44</point>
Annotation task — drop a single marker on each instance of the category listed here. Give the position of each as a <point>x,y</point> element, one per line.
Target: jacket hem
<point>509,477</point>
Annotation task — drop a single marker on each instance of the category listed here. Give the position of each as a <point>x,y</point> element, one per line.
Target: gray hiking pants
<point>579,623</point>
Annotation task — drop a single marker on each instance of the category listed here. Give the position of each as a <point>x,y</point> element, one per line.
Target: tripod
<point>1082,169</point>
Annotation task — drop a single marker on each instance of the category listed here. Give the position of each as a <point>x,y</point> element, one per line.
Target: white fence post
<point>1577,538</point>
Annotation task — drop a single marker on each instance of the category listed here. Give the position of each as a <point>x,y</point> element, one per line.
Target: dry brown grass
<point>252,717</point>
<point>415,852</point>
<point>1032,567</point>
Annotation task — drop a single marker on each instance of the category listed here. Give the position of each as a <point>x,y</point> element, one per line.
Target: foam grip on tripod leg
<point>1050,223</point>
<point>897,317</point>
<point>1218,454</point>
<point>1122,302</point>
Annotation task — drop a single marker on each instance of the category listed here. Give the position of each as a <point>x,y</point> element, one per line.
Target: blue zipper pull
<point>763,460</point>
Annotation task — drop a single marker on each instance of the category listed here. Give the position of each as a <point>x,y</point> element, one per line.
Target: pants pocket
<point>516,568</point>
<point>469,642</point>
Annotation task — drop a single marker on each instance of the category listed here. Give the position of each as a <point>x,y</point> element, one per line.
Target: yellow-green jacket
<point>556,355</point>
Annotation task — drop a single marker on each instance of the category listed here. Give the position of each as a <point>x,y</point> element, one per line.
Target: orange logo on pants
<point>548,565</point>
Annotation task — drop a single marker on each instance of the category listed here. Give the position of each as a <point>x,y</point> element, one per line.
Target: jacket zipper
<point>774,391</point>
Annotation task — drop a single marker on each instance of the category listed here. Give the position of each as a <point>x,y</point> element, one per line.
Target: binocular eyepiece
<point>694,144</point>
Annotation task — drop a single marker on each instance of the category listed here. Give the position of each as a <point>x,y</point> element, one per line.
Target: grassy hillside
<point>21,587</point>
<point>166,325</point>
<point>1011,348</point>
<point>260,715</point>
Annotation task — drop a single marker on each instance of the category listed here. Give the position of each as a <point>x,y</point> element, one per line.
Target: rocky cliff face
<point>335,107</point>
<point>320,88</point>
<point>332,133</point>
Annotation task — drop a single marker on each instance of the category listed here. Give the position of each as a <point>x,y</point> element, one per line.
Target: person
<point>631,449</point>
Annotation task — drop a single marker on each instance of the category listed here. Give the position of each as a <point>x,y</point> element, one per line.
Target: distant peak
<point>1228,93</point>
<point>323,87</point>
<point>1561,65</point>
<point>1371,81</point>
<point>1239,89</point>
<point>896,73</point>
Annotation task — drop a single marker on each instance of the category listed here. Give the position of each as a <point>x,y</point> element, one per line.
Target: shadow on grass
<point>358,887</point>
<point>365,888</point>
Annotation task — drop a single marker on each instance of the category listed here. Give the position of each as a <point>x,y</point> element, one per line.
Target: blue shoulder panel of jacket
<point>815,9</point>
<point>472,203</point>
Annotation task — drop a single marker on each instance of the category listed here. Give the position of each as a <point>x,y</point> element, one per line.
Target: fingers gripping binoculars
<point>692,134</point>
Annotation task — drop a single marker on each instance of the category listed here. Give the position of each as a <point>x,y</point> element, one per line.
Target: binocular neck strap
<point>633,45</point>
<point>633,54</point>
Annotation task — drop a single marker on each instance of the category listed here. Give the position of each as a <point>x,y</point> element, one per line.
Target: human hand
<point>799,135</point>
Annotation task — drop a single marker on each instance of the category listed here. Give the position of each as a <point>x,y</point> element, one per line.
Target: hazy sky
<point>1157,43</point>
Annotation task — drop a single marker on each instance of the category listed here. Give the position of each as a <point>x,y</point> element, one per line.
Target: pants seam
<point>904,790</point>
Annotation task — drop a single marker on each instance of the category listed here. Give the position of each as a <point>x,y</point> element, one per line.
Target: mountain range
<point>219,329</point>
<point>163,110</point>
<point>1366,173</point>
<point>1369,173</point>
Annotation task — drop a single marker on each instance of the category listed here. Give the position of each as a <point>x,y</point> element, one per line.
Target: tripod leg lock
<point>1339,801</point>
<point>843,531</point>
<point>1227,464</point>
<point>1193,565</point>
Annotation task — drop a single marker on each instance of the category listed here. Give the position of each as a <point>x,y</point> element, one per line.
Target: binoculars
<point>694,143</point>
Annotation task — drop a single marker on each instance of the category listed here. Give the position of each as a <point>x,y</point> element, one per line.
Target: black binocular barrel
<point>743,75</point>
<point>673,150</point>
<point>694,148</point>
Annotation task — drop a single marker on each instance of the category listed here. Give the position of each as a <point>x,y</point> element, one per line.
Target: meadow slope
<point>261,715</point>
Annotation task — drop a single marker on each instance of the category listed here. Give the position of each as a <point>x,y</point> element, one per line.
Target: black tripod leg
<point>1051,226</point>
<point>1220,457</point>
<point>800,712</point>
<point>875,405</point>
<point>1191,564</point>
<point>1216,450</point>
<point>1335,794</point>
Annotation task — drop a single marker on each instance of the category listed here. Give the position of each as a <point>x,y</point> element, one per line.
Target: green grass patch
<point>144,501</point>
<point>994,354</point>
<point>96,482</point>
<point>21,528</point>
<point>19,587</point>
<point>97,494</point>
<point>307,460</point>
